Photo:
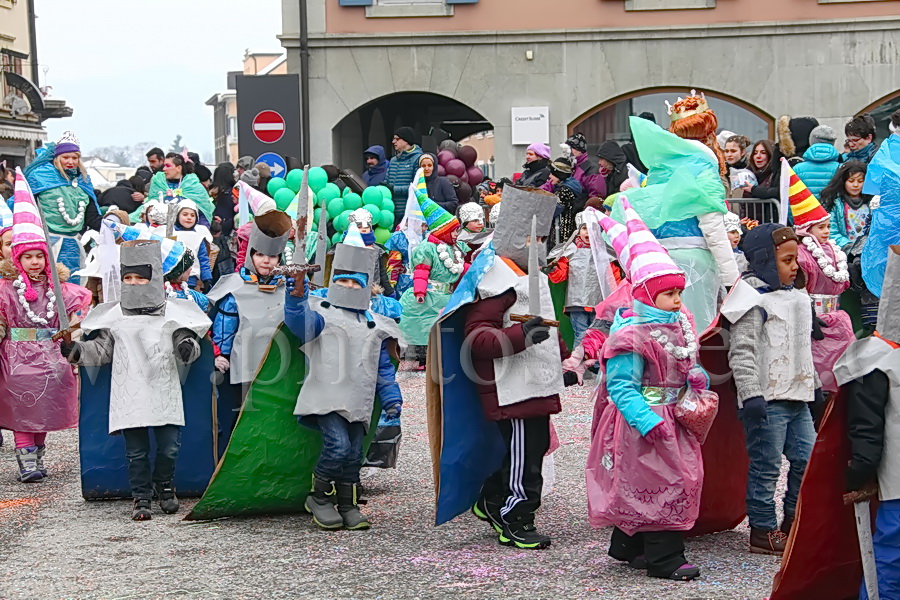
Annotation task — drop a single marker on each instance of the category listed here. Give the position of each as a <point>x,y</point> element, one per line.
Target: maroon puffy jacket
<point>483,319</point>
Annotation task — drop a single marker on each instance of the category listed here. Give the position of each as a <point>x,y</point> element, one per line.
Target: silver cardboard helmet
<point>352,259</point>
<point>147,255</point>
<point>888,325</point>
<point>513,226</point>
<point>269,235</point>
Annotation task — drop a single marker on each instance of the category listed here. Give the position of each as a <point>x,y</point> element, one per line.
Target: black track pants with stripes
<point>514,490</point>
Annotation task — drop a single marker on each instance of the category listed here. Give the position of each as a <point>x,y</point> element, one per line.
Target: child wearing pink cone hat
<point>645,469</point>
<point>38,389</point>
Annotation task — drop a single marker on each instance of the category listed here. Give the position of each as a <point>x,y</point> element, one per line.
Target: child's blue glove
<point>290,284</point>
<point>393,410</point>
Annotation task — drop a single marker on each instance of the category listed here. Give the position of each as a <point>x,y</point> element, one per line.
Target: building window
<point>409,8</point>
<point>121,176</point>
<point>232,132</point>
<point>668,4</point>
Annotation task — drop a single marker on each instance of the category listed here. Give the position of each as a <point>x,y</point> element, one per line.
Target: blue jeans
<point>137,451</point>
<point>342,444</point>
<point>886,541</point>
<point>788,431</point>
<point>581,320</point>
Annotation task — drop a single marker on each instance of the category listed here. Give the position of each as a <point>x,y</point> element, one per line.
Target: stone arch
<point>608,120</point>
<point>375,121</point>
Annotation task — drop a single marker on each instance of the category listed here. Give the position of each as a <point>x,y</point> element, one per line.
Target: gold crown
<point>702,106</point>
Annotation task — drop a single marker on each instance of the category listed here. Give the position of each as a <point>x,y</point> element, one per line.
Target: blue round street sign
<point>275,162</point>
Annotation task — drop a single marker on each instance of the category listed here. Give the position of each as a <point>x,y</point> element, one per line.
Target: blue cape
<point>471,447</point>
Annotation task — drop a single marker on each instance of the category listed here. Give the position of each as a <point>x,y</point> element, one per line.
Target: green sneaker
<point>522,534</point>
<point>483,513</point>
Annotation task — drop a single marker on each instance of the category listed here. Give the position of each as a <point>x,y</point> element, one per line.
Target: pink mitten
<point>697,379</point>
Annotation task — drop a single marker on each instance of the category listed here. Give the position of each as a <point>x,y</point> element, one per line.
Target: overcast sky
<point>142,71</point>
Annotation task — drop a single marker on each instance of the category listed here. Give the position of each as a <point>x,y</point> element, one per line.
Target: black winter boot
<point>320,504</point>
<point>521,533</point>
<point>485,511</point>
<point>168,502</point>
<point>348,506</point>
<point>141,510</point>
<point>787,524</point>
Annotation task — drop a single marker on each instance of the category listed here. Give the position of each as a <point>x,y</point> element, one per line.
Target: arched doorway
<point>434,118</point>
<point>881,111</point>
<point>609,120</point>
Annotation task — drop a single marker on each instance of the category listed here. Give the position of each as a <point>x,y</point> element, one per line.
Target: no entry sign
<point>268,126</point>
<point>268,111</point>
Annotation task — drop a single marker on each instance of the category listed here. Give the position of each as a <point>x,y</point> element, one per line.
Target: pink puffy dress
<point>632,483</point>
<point>38,388</point>
<point>839,331</point>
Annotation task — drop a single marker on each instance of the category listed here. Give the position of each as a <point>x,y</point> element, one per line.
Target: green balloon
<point>342,222</point>
<point>372,195</point>
<point>352,201</point>
<point>316,215</point>
<point>386,219</point>
<point>295,179</point>
<point>387,204</point>
<point>335,208</point>
<point>336,238</point>
<point>275,184</point>
<point>382,235</point>
<point>318,178</point>
<point>374,211</point>
<point>386,192</point>
<point>330,191</point>
<point>346,191</point>
<point>283,198</point>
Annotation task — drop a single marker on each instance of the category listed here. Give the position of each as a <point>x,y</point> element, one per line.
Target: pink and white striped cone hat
<point>647,258</point>
<point>27,231</point>
<point>618,237</point>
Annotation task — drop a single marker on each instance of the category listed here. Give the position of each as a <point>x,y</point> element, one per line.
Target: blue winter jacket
<point>307,325</point>
<point>375,175</point>
<point>400,173</point>
<point>820,161</point>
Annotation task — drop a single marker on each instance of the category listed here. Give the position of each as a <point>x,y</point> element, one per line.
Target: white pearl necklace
<point>679,352</point>
<point>19,284</point>
<point>455,263</point>
<point>840,274</point>
<point>79,215</point>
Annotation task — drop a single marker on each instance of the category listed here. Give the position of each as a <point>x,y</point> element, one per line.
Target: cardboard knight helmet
<point>513,227</point>
<point>351,256</point>
<point>143,257</point>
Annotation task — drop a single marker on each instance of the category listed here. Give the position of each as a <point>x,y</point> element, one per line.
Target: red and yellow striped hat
<point>804,206</point>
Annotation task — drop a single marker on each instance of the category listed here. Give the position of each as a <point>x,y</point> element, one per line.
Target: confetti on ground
<point>92,550</point>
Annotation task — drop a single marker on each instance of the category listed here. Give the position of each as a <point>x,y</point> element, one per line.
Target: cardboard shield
<point>104,469</point>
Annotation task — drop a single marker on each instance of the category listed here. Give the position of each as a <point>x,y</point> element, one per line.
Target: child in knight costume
<point>494,426</point>
<point>145,336</point>
<point>645,467</point>
<point>772,362</point>
<point>438,264</point>
<point>347,352</point>
<point>363,220</point>
<point>575,264</point>
<point>38,390</point>
<point>248,307</point>
<point>827,277</point>
<point>870,372</point>
<point>198,239</point>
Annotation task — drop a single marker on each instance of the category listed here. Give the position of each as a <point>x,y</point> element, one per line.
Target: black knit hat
<point>561,169</point>
<point>577,141</point>
<point>408,134</point>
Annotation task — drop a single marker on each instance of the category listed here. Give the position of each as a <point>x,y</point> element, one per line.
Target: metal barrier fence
<point>764,211</point>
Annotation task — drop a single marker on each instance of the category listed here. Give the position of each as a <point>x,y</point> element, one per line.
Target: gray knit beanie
<point>251,177</point>
<point>823,134</point>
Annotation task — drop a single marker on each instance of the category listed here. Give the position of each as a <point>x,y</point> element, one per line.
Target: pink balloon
<point>445,156</point>
<point>475,174</point>
<point>455,167</point>
<point>464,192</point>
<point>442,171</point>
<point>465,177</point>
<point>468,155</point>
